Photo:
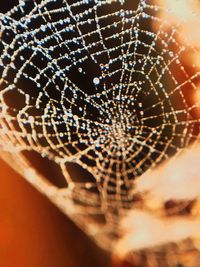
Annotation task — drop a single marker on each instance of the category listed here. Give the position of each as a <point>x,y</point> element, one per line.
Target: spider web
<point>90,86</point>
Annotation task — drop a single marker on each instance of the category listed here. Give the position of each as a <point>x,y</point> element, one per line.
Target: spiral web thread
<point>92,84</point>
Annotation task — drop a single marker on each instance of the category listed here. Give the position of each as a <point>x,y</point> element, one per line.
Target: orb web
<point>90,86</point>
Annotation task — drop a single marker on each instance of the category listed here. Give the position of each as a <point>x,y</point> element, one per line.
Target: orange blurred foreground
<point>33,233</point>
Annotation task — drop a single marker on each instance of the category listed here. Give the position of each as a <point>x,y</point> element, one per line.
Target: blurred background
<point>33,233</point>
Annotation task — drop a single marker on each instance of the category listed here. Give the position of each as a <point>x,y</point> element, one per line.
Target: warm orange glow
<point>177,179</point>
<point>185,14</point>
<point>34,233</point>
<point>28,219</point>
<point>145,230</point>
